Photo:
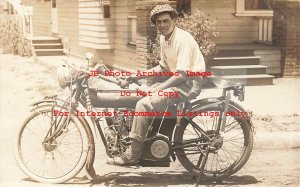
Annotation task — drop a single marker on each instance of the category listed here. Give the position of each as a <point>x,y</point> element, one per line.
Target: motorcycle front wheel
<point>47,158</point>
<point>231,156</point>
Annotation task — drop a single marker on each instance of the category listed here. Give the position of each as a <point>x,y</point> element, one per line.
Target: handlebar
<point>87,70</point>
<point>135,81</point>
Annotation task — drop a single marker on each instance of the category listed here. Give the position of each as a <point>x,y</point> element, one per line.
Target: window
<point>257,5</point>
<point>106,9</point>
<point>253,8</point>
<point>132,30</point>
<point>183,6</point>
<point>260,9</point>
<point>53,3</point>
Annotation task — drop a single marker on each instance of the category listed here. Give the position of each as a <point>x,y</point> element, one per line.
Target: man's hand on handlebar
<point>123,83</point>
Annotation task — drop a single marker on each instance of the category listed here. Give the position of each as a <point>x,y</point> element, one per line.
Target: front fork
<point>220,129</point>
<point>54,101</point>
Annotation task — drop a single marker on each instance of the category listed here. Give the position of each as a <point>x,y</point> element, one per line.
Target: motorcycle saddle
<point>219,82</point>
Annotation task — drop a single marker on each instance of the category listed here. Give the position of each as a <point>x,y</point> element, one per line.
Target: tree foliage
<point>203,29</point>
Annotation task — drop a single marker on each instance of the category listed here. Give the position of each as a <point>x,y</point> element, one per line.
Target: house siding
<point>68,26</point>
<point>231,29</point>
<point>69,30</point>
<point>74,28</point>
<point>114,32</point>
<point>1,9</point>
<point>94,30</point>
<point>42,20</point>
<point>124,55</point>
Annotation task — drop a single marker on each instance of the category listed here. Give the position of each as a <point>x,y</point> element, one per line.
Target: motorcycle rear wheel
<point>230,158</point>
<point>54,161</point>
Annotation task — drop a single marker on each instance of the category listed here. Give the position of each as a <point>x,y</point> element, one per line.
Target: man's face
<point>165,24</point>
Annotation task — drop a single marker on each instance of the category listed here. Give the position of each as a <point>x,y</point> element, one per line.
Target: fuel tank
<point>113,98</point>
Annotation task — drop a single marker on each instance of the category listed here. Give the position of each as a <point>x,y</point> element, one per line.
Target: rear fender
<point>212,102</point>
<point>219,102</point>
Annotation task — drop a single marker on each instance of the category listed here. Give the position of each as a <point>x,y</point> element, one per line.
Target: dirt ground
<point>24,80</point>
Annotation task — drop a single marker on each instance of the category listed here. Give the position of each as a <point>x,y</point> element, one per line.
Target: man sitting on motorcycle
<point>179,53</point>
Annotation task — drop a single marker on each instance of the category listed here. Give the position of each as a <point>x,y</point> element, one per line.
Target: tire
<point>54,162</point>
<point>235,163</point>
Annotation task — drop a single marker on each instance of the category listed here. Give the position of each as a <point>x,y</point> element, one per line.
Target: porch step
<point>248,62</point>
<point>46,40</point>
<point>238,70</point>
<point>236,60</point>
<point>251,80</point>
<point>47,46</point>
<point>234,53</point>
<point>49,52</point>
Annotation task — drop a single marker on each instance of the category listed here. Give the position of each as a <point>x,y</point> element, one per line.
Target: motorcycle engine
<point>117,133</point>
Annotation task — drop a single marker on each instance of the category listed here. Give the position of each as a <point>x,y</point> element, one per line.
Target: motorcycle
<point>56,141</point>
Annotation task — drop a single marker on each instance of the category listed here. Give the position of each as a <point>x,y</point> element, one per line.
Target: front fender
<point>46,101</point>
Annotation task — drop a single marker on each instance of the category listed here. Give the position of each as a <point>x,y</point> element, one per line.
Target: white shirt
<point>181,52</point>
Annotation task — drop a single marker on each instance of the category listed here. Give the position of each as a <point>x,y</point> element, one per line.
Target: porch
<point>48,46</point>
<point>252,63</point>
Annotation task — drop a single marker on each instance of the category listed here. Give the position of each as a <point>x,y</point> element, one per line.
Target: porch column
<point>286,34</point>
<point>145,31</point>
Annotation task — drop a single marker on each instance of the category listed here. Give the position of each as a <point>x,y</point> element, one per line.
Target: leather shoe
<point>129,157</point>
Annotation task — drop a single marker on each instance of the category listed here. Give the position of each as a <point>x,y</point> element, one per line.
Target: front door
<point>54,24</point>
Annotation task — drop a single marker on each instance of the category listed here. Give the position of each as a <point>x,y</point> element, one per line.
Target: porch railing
<point>265,29</point>
<point>23,16</point>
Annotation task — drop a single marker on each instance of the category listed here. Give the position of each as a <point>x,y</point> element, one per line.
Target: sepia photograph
<point>153,93</point>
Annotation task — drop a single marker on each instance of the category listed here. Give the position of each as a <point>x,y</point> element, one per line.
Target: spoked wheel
<point>47,156</point>
<point>229,150</point>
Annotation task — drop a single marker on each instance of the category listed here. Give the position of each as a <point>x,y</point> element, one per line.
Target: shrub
<point>12,40</point>
<point>203,29</point>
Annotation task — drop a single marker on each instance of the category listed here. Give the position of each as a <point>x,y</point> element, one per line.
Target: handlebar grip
<point>131,80</point>
<point>138,83</point>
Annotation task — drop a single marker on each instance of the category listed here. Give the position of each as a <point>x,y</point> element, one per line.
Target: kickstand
<point>203,162</point>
